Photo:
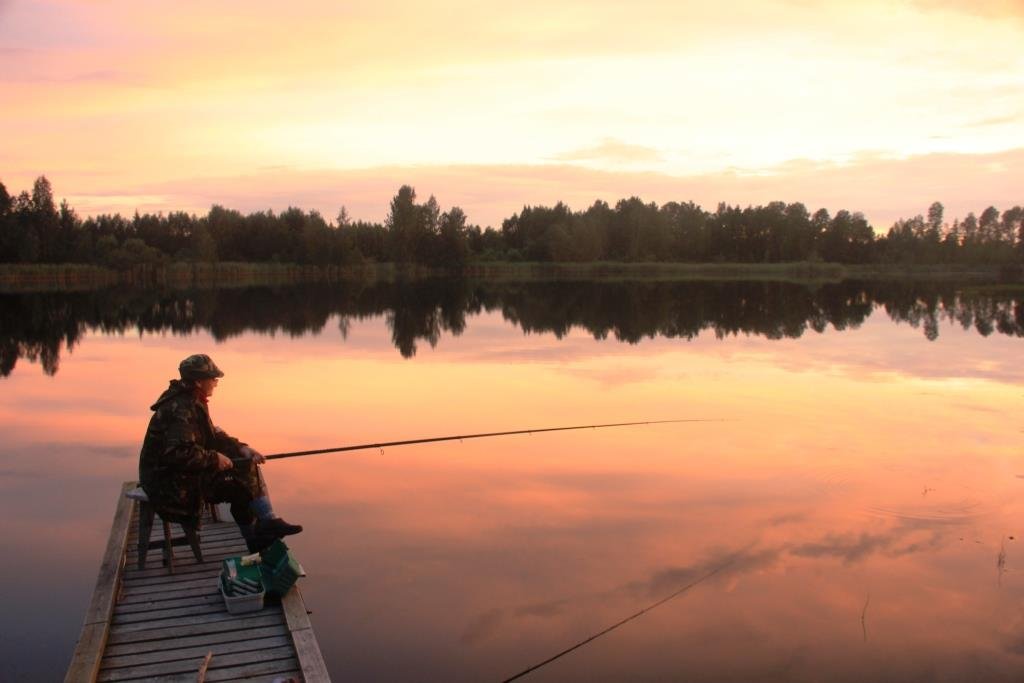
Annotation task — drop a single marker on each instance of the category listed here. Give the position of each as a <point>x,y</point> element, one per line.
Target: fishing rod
<point>622,622</point>
<point>614,626</point>
<point>460,437</point>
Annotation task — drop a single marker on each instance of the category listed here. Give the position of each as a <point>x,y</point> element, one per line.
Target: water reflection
<point>38,326</point>
<point>867,462</point>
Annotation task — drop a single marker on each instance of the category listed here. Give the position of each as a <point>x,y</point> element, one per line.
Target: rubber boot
<point>276,527</point>
<point>268,524</point>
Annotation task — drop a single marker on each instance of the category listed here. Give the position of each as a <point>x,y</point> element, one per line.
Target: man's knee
<point>228,489</point>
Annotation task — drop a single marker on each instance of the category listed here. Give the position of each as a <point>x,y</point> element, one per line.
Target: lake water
<point>854,514</point>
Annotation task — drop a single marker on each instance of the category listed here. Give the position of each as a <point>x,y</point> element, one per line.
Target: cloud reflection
<point>722,564</point>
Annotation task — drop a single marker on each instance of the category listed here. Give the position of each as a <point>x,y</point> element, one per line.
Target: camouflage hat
<point>199,366</point>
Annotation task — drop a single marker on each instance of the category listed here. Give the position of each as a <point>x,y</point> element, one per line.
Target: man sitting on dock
<point>186,461</point>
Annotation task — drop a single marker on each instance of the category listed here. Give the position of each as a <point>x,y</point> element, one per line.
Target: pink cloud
<point>883,188</point>
<point>612,150</point>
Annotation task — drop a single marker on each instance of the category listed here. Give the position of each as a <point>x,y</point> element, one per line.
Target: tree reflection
<point>39,326</point>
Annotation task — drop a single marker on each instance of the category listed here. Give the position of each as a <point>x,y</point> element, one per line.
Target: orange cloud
<point>614,151</point>
<point>984,8</point>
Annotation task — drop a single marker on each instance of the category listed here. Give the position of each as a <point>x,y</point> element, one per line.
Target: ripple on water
<point>939,513</point>
<point>820,480</point>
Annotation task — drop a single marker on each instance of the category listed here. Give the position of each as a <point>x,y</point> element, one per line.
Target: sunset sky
<point>870,105</point>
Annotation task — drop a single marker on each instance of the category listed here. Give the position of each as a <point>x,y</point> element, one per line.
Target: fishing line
<point>460,437</point>
<point>622,622</point>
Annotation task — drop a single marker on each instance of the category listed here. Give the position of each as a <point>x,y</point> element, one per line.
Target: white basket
<point>240,604</point>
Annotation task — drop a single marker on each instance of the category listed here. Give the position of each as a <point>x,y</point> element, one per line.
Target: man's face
<point>206,386</point>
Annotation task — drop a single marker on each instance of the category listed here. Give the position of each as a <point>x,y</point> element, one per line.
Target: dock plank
<point>197,620</point>
<point>171,582</point>
<point>314,669</point>
<point>193,663</point>
<point>237,659</point>
<point>205,640</point>
<point>183,553</point>
<point>149,624</point>
<point>85,661</point>
<point>240,622</point>
<point>268,670</point>
<point>199,650</point>
<point>168,613</point>
<point>198,596</point>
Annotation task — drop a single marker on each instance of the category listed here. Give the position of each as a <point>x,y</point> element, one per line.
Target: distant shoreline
<point>75,277</point>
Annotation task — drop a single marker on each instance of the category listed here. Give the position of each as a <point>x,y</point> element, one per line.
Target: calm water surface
<point>859,505</point>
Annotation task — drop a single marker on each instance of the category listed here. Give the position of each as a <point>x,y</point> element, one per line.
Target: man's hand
<point>224,462</point>
<point>253,454</point>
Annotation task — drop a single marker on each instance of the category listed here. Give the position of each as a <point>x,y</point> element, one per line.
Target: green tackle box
<point>275,570</point>
<point>280,568</point>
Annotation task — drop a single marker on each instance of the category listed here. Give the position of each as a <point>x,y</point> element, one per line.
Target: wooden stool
<point>146,514</point>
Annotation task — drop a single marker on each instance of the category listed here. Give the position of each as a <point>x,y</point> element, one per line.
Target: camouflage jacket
<point>178,462</point>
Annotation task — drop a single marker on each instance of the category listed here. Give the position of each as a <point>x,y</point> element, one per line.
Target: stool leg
<point>193,540</point>
<point>168,548</point>
<point>145,529</point>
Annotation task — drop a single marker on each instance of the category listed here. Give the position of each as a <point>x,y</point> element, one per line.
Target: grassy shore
<point>972,273</point>
<point>610,271</point>
<point>55,277</point>
<point>70,277</point>
<point>797,271</point>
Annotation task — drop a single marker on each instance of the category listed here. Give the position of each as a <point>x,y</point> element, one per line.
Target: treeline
<point>33,229</point>
<point>39,327</point>
<point>773,233</point>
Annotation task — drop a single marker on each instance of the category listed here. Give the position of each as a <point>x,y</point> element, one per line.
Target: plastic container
<point>232,567</point>
<point>240,604</point>
<point>279,568</point>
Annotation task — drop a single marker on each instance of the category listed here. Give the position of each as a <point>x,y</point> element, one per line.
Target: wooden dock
<point>151,625</point>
